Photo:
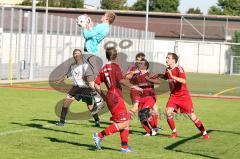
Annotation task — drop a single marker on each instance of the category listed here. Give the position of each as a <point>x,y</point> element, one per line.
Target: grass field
<point>27,128</point>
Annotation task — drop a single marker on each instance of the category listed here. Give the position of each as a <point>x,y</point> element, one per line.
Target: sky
<point>183,7</point>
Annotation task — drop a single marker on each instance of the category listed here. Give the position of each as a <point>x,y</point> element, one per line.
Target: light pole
<point>146,27</point>
<point>32,49</point>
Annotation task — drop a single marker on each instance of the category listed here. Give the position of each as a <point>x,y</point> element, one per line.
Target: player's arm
<point>64,77</point>
<point>130,74</point>
<point>178,79</point>
<point>154,80</point>
<point>99,91</point>
<point>93,31</point>
<point>97,87</point>
<point>129,85</point>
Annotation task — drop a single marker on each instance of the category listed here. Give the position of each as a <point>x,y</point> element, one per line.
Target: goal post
<point>235,65</point>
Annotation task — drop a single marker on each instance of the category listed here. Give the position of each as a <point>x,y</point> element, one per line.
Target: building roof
<point>168,25</point>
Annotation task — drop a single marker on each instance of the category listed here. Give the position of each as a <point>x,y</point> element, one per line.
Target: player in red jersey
<point>132,73</point>
<point>111,75</point>
<point>179,96</point>
<point>145,100</point>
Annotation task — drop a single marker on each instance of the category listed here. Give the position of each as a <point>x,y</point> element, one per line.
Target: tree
<point>194,11</point>
<point>236,39</point>
<point>57,3</point>
<point>214,10</point>
<point>157,5</point>
<point>113,4</point>
<point>226,7</point>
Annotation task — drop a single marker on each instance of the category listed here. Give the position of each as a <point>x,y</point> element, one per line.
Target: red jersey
<point>140,81</point>
<point>111,75</point>
<point>177,88</point>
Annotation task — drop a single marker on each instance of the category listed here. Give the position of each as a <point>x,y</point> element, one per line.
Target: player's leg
<point>144,116</point>
<point>98,102</point>
<point>171,123</point>
<point>95,116</point>
<point>111,129</point>
<point>149,102</point>
<point>66,104</point>
<point>199,125</point>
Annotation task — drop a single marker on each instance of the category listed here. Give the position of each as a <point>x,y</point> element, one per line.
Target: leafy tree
<point>157,5</point>
<point>113,4</point>
<point>57,3</point>
<point>194,11</point>
<point>226,7</point>
<point>236,39</point>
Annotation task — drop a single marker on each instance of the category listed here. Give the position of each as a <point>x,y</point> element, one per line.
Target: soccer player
<point>144,101</point>
<point>179,96</point>
<point>111,75</point>
<point>82,77</point>
<point>93,35</point>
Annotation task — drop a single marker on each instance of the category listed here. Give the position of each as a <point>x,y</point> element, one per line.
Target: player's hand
<point>170,73</point>
<point>131,114</point>
<point>90,24</point>
<point>137,88</point>
<point>153,75</point>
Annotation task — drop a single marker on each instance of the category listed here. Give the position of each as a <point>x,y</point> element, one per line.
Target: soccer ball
<point>83,21</point>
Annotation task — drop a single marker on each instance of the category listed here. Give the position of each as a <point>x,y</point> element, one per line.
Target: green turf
<point>32,112</point>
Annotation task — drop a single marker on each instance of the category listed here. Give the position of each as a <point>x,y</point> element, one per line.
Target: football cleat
<point>97,141</point>
<point>60,123</point>
<point>154,131</point>
<point>206,137</point>
<point>173,136</point>
<point>147,134</point>
<point>126,150</point>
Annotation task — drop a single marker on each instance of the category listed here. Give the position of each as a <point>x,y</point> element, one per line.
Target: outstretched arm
<point>129,85</point>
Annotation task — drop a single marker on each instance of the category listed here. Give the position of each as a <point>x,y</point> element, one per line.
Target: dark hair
<point>75,50</point>
<point>174,56</point>
<point>146,63</point>
<point>140,54</point>
<point>111,53</point>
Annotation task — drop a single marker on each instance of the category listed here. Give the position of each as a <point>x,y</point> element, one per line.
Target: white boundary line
<point>23,130</point>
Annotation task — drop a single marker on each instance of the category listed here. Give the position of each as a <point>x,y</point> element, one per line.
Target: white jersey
<point>78,72</point>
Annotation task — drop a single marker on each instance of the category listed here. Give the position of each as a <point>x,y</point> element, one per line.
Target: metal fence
<point>55,38</point>
<point>206,57</point>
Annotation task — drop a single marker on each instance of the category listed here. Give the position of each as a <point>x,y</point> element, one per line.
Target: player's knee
<point>169,111</point>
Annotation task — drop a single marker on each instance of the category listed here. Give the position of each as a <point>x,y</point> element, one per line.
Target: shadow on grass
<point>89,146</point>
<point>183,141</point>
<point>41,127</point>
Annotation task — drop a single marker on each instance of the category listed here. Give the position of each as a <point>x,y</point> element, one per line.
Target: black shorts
<point>82,93</point>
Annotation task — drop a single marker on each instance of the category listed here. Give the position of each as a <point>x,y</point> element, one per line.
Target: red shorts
<point>184,103</point>
<point>146,102</point>
<point>117,106</point>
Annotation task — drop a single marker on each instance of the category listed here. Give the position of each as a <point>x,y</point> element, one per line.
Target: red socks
<point>171,123</point>
<point>200,126</point>
<point>108,131</point>
<point>124,137</point>
<point>153,121</point>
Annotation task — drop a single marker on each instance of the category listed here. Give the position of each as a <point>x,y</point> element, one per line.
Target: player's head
<point>171,59</point>
<point>111,53</point>
<point>109,17</point>
<point>143,64</point>
<point>77,55</point>
<point>139,56</point>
